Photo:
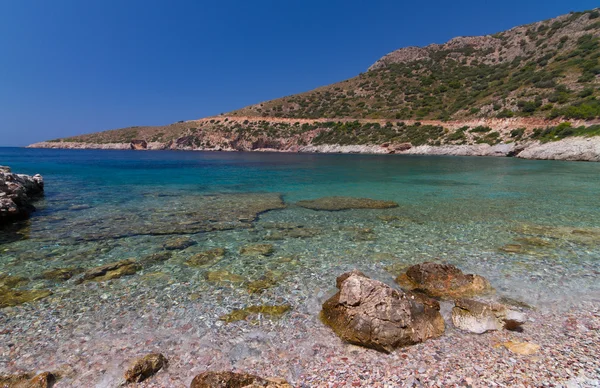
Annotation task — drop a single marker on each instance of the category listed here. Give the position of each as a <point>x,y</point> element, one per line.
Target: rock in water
<point>179,243</point>
<point>369,313</point>
<point>17,191</point>
<point>111,271</point>
<point>345,203</point>
<point>443,281</point>
<point>257,250</point>
<point>228,379</point>
<point>145,367</point>
<point>478,317</point>
<point>43,380</point>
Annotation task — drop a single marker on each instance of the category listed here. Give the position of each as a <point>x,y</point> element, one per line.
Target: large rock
<point>369,313</point>
<point>17,192</point>
<point>145,367</point>
<point>228,379</point>
<point>345,203</point>
<point>478,317</point>
<point>443,281</point>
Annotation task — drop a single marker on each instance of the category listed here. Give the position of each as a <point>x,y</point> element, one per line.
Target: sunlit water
<point>454,209</point>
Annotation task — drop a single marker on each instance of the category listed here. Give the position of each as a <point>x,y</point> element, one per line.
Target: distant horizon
<point>75,68</point>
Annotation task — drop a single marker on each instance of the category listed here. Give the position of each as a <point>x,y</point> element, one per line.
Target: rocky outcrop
<point>575,148</point>
<point>138,145</point>
<point>479,317</point>
<point>345,203</point>
<point>17,192</point>
<point>369,313</point>
<point>228,379</point>
<point>145,367</point>
<point>443,281</point>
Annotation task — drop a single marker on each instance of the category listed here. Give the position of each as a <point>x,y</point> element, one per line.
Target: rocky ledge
<point>17,191</point>
<point>574,148</point>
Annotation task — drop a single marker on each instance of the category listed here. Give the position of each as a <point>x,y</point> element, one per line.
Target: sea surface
<point>531,227</point>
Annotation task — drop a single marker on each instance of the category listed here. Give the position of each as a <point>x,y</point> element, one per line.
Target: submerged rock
<point>28,380</point>
<point>257,250</point>
<point>345,203</point>
<point>265,282</point>
<point>155,258</point>
<point>145,367</point>
<point>60,273</point>
<point>183,215</point>
<point>443,281</point>
<point>242,314</point>
<point>226,379</point>
<point>17,192</point>
<point>10,281</point>
<point>223,276</point>
<point>111,271</point>
<point>478,317</point>
<point>207,257</point>
<point>11,297</point>
<point>369,313</point>
<point>178,243</point>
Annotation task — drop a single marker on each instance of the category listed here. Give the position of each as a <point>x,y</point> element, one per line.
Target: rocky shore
<point>573,149</point>
<point>17,191</point>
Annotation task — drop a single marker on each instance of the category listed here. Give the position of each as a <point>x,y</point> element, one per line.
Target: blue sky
<point>70,66</point>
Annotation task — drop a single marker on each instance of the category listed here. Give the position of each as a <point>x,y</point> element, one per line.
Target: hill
<point>533,83</point>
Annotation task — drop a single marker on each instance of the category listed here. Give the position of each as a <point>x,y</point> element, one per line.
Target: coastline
<point>569,149</point>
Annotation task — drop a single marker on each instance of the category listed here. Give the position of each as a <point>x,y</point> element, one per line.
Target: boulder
<point>228,379</point>
<point>138,144</point>
<point>17,192</point>
<point>370,313</point>
<point>145,367</point>
<point>443,281</point>
<point>345,203</point>
<point>478,317</point>
<point>111,271</point>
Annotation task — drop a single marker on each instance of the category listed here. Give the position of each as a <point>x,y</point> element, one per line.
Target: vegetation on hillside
<point>556,76</point>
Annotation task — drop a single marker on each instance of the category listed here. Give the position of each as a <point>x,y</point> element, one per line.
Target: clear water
<point>104,206</point>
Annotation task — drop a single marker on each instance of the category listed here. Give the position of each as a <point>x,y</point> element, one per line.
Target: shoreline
<point>569,149</point>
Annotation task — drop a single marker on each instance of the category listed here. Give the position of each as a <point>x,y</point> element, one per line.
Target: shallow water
<point>104,206</point>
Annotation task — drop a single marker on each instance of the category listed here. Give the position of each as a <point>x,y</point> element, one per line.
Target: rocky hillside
<point>547,69</point>
<point>536,83</point>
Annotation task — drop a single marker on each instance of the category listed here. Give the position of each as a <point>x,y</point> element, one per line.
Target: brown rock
<point>145,367</point>
<point>443,281</point>
<point>60,273</point>
<point>11,297</point>
<point>522,348</point>
<point>345,203</point>
<point>207,257</point>
<point>111,271</point>
<point>369,313</point>
<point>178,243</point>
<point>43,380</point>
<point>228,379</point>
<point>257,250</point>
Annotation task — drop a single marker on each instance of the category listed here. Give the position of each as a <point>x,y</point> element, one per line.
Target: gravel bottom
<point>91,343</point>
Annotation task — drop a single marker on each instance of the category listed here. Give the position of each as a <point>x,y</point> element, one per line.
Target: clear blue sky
<point>77,66</point>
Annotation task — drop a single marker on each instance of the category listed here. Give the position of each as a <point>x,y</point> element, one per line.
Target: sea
<point>532,228</point>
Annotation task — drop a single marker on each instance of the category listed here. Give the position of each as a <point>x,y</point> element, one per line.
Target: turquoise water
<point>105,206</point>
<point>531,227</point>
